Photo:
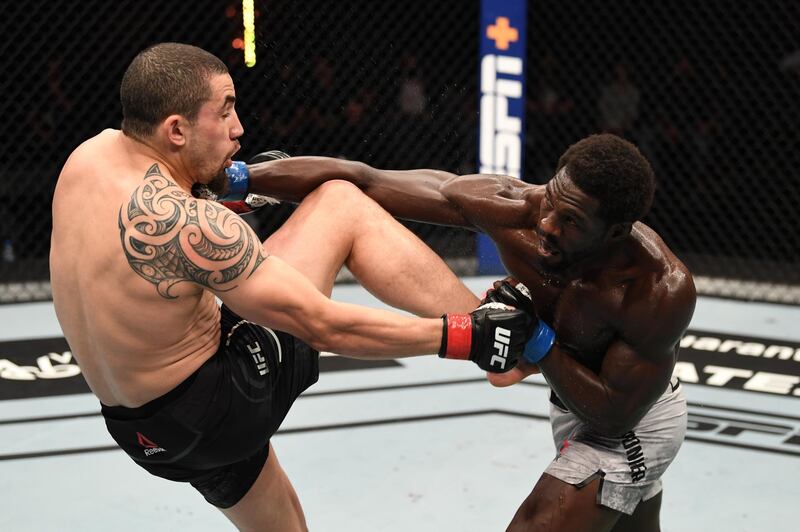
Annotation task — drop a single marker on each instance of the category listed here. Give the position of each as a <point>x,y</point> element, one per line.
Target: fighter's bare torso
<point>590,309</point>
<point>132,344</point>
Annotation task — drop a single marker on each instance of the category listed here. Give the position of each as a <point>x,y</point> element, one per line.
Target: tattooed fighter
<point>191,391</point>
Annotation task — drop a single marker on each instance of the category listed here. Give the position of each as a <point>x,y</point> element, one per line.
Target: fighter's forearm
<point>585,393</point>
<point>292,179</point>
<point>409,194</point>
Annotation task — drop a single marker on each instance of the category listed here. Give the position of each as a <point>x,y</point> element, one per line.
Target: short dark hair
<point>613,171</point>
<point>165,79</point>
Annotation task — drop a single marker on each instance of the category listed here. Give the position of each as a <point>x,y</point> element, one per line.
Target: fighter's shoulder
<point>170,237</point>
<point>491,202</point>
<point>517,200</point>
<point>94,146</point>
<point>674,290</point>
<point>516,186</point>
<point>671,273</point>
<point>85,156</point>
<point>534,194</point>
<point>499,184</point>
<point>662,298</point>
<point>512,188</point>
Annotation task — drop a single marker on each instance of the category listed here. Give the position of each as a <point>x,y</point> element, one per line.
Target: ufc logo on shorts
<point>258,358</point>
<point>502,338</point>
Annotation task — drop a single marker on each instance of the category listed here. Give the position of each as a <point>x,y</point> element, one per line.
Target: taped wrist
<point>238,182</point>
<point>540,343</point>
<point>456,336</point>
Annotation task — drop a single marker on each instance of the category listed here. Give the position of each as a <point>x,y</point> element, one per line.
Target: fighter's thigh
<point>555,505</point>
<point>271,504</point>
<point>317,237</point>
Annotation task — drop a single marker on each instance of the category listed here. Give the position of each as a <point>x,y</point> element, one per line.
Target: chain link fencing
<point>710,91</point>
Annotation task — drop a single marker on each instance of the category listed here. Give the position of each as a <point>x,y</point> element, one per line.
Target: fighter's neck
<point>170,163</point>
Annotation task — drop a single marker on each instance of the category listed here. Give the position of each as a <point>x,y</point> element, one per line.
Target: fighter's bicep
<point>633,377</point>
<point>280,297</point>
<point>169,238</point>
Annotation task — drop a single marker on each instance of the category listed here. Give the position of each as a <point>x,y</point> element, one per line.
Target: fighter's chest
<point>582,314</point>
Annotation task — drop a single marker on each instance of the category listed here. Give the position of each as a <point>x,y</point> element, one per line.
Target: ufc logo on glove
<point>502,339</point>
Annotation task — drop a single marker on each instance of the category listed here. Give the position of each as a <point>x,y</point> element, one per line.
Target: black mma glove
<point>264,156</point>
<point>493,336</point>
<point>511,292</point>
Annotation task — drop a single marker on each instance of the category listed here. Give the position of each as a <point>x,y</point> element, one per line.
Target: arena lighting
<point>248,18</point>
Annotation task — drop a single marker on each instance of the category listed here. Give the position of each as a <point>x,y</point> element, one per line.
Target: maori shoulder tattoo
<point>170,237</point>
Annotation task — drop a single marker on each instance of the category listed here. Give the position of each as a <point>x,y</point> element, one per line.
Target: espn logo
<point>502,339</point>
<point>500,148</point>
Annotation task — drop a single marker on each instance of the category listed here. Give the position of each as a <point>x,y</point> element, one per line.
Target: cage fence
<point>710,92</point>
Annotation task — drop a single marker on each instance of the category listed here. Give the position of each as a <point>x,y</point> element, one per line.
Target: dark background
<point>706,89</point>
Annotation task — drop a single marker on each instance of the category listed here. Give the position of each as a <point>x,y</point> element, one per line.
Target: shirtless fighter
<point>617,298</point>
<point>193,392</point>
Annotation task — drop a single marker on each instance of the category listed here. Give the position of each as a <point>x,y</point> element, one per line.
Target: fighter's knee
<point>344,200</point>
<point>340,191</point>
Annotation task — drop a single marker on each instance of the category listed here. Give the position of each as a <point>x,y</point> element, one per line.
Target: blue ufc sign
<point>502,102</point>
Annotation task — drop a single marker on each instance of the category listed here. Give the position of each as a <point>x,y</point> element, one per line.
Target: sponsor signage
<point>740,428</point>
<point>502,95</point>
<point>38,368</point>
<point>740,362</point>
<point>45,367</point>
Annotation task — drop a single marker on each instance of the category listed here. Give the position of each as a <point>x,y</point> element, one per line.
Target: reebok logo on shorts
<point>150,448</point>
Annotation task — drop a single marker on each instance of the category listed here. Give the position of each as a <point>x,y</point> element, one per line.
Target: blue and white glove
<point>236,198</point>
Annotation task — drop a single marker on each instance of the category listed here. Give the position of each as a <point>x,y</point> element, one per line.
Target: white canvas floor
<point>426,445</point>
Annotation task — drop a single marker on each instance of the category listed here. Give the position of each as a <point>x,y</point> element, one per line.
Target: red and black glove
<point>493,336</point>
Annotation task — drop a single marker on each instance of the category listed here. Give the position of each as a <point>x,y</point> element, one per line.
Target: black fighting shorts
<point>213,429</point>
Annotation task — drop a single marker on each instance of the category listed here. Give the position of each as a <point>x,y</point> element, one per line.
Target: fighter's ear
<point>174,127</point>
<point>619,230</point>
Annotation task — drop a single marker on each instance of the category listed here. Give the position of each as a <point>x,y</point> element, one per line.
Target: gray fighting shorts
<point>629,466</point>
